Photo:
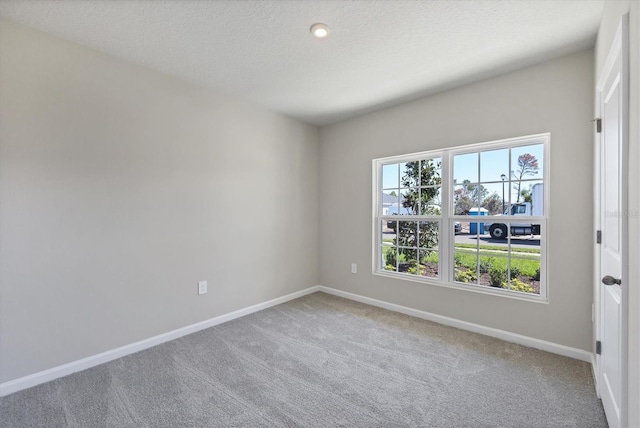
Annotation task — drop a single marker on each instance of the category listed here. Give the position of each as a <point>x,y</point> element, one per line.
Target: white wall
<point>556,97</point>
<point>612,13</point>
<point>120,188</point>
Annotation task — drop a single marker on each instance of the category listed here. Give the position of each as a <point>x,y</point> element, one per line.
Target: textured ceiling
<point>379,53</point>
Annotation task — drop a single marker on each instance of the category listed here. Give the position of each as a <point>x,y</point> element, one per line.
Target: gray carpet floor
<point>320,361</point>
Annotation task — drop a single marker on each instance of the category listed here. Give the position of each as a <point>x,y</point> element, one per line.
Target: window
<point>472,217</point>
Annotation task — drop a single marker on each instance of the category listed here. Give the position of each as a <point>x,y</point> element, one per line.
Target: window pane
<point>465,266</point>
<point>420,181</point>
<point>527,162</point>
<point>494,164</point>
<point>524,267</point>
<point>430,172</point>
<point>430,201</point>
<point>406,240</point>
<point>389,199</point>
<point>388,250</point>
<point>531,197</point>
<point>491,194</point>
<point>390,176</point>
<point>466,197</point>
<point>461,202</point>
<point>408,260</point>
<point>428,263</point>
<point>428,235</point>
<point>493,266</point>
<point>410,201</point>
<point>524,274</point>
<point>389,258</point>
<point>465,168</point>
<point>410,174</point>
<point>407,235</point>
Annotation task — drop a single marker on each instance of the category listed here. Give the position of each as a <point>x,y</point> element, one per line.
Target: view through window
<point>471,216</point>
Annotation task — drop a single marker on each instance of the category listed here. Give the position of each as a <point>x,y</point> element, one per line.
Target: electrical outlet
<point>354,268</point>
<point>202,287</point>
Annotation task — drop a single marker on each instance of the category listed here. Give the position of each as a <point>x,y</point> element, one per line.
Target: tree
<point>418,200</point>
<point>527,165</point>
<point>417,175</point>
<point>526,194</point>
<point>493,204</point>
<point>475,192</point>
<point>463,205</point>
<point>467,196</point>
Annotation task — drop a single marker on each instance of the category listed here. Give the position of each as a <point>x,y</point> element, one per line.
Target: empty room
<point>320,213</point>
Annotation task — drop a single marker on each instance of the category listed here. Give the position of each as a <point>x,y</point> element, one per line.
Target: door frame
<point>620,44</point>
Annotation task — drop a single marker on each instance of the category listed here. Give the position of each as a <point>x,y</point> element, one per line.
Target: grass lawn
<point>498,248</point>
<point>527,267</point>
<point>527,264</point>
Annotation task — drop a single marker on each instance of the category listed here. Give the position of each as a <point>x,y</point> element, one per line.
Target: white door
<point>612,92</point>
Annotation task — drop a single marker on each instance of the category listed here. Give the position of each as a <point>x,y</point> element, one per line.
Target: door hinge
<point>598,347</point>
<point>598,122</point>
<point>598,237</point>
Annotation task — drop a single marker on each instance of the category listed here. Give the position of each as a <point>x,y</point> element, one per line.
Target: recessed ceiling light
<point>319,31</point>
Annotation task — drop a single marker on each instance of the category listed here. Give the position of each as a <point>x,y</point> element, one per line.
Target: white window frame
<point>447,218</point>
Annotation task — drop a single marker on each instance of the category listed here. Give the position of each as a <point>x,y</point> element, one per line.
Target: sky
<point>485,167</point>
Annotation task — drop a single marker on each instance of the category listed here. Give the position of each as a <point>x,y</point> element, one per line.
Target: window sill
<point>499,292</point>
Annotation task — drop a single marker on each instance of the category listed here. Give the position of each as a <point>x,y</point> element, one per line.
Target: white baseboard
<point>531,342</point>
<point>29,381</point>
<point>594,372</point>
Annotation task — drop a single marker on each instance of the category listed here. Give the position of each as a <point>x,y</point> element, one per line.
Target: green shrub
<point>517,285</point>
<point>466,276</point>
<point>515,272</point>
<point>498,276</point>
<point>537,275</point>
<point>485,264</point>
<point>390,258</point>
<point>413,269</point>
<point>457,259</point>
